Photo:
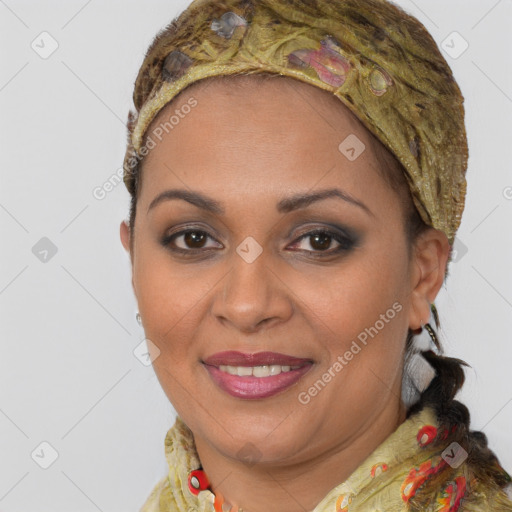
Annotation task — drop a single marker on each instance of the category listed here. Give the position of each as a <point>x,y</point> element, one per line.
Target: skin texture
<point>249,148</point>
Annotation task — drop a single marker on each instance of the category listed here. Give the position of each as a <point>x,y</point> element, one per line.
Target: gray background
<point>68,374</point>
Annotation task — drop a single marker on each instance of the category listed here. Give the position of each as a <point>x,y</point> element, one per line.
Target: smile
<point>256,382</point>
<point>257,371</point>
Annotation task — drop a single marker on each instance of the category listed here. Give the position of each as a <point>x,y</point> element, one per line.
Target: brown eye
<point>321,240</point>
<point>189,240</point>
<point>194,239</point>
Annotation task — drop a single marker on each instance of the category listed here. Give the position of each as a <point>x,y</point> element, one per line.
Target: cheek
<point>170,296</point>
<point>346,300</point>
<point>359,316</point>
<point>170,300</point>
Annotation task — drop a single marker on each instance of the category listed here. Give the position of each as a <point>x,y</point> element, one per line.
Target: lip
<point>234,358</point>
<point>250,387</point>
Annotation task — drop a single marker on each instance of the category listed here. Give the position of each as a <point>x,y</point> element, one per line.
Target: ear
<point>430,257</point>
<point>124,232</point>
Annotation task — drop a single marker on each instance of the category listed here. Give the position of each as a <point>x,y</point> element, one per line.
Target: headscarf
<point>379,61</point>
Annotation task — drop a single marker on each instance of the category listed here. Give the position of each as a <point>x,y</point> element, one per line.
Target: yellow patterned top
<point>390,479</point>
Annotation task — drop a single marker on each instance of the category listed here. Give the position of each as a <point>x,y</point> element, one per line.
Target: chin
<point>254,439</point>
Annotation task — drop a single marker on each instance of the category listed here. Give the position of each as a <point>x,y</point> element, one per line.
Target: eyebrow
<point>285,205</point>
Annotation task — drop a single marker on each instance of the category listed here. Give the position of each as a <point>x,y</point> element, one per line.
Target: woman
<point>297,172</point>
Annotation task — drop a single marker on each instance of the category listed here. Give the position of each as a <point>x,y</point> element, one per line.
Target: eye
<point>187,241</point>
<point>190,241</point>
<point>321,239</point>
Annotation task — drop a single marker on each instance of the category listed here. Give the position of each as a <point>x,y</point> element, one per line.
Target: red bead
<point>426,435</point>
<point>197,481</point>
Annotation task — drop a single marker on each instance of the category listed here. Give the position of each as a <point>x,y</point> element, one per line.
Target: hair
<point>453,416</point>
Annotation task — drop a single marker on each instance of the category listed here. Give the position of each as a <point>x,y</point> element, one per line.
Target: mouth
<point>255,376</point>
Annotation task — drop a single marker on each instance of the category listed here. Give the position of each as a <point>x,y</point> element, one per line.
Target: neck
<point>299,487</point>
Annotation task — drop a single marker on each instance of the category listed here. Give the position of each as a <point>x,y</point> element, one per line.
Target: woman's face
<point>238,267</point>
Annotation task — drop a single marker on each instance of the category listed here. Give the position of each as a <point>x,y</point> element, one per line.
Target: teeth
<point>230,369</point>
<point>263,371</point>
<point>244,371</point>
<point>256,371</point>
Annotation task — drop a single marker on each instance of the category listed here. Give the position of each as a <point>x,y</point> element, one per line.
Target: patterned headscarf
<point>378,60</point>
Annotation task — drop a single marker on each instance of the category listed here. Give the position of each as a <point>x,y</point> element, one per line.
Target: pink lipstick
<point>253,376</point>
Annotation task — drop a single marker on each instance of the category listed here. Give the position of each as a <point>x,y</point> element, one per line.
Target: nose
<point>253,295</point>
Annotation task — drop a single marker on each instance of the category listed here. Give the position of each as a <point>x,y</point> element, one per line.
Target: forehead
<point>271,92</point>
<point>246,131</point>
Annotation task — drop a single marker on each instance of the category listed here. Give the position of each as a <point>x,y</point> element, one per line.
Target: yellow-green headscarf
<point>379,61</point>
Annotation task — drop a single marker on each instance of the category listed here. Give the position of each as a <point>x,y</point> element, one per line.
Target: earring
<point>418,372</point>
<point>417,376</point>
<point>432,334</point>
<point>434,319</point>
<point>427,337</point>
<point>138,318</point>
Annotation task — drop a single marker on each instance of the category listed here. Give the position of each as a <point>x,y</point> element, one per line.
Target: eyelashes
<point>170,241</point>
<point>321,234</point>
<point>194,241</point>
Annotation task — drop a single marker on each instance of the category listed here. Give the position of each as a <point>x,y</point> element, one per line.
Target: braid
<point>453,416</point>
<point>454,424</point>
